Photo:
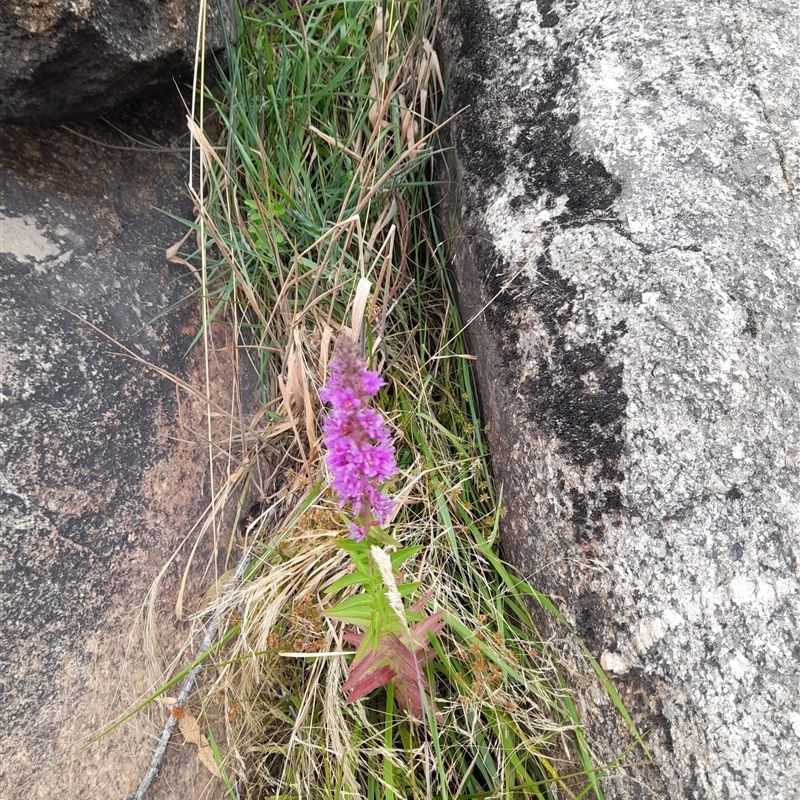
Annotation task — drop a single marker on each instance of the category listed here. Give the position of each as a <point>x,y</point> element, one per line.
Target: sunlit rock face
<point>67,59</point>
<point>627,235</point>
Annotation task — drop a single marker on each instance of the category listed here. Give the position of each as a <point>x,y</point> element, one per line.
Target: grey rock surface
<point>627,222</point>
<point>101,472</point>
<point>65,59</point>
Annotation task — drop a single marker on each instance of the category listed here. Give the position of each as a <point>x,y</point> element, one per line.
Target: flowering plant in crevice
<point>393,642</point>
<point>360,455</point>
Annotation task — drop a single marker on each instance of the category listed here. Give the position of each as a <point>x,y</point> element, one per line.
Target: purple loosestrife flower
<point>360,453</point>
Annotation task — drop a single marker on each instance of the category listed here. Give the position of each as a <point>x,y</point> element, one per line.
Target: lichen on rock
<point>627,215</point>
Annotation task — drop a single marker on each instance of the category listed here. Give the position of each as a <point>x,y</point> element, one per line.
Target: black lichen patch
<point>545,155</point>
<point>542,151</point>
<point>580,512</point>
<point>643,691</point>
<point>476,62</point>
<point>589,621</point>
<point>554,297</point>
<point>548,16</point>
<point>752,326</point>
<point>692,785</point>
<point>572,389</point>
<point>588,423</point>
<point>575,391</point>
<point>508,294</point>
<point>613,500</point>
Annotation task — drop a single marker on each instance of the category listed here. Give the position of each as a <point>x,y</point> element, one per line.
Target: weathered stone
<point>102,473</point>
<point>628,218</point>
<point>63,59</point>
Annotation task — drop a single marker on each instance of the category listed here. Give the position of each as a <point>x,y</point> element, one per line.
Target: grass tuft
<point>328,114</point>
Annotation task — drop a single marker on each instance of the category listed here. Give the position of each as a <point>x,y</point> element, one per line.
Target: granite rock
<point>626,180</point>
<point>65,59</point>
<point>102,473</point>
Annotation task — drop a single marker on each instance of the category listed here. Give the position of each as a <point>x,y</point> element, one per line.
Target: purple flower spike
<point>360,452</point>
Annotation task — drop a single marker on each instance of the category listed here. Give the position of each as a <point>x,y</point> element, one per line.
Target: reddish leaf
<point>372,681</point>
<point>352,637</point>
<point>432,624</point>
<point>400,659</point>
<point>408,664</point>
<point>369,663</point>
<point>418,606</point>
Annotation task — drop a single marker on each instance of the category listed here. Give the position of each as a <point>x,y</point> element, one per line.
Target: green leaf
<point>407,589</point>
<point>401,556</point>
<point>356,549</point>
<point>353,579</point>
<point>353,611</point>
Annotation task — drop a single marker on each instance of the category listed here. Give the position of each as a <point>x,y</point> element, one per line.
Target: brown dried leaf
<point>173,257</point>
<point>295,378</point>
<point>360,301</point>
<point>190,729</point>
<point>311,420</point>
